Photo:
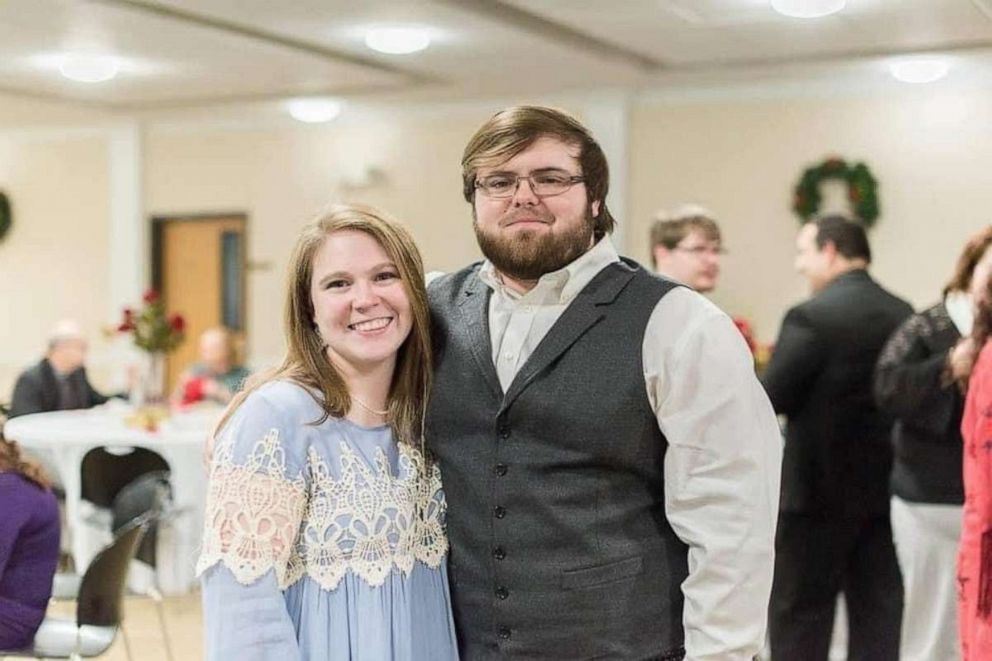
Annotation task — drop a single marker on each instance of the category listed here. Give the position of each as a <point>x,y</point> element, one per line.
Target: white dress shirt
<point>723,464</point>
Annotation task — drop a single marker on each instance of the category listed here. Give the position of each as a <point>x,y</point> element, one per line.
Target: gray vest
<point>560,548</point>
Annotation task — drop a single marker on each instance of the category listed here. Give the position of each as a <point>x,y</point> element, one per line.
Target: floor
<point>183,621</point>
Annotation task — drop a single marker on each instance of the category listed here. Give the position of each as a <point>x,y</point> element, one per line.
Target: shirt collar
<point>565,283</point>
<point>959,309</point>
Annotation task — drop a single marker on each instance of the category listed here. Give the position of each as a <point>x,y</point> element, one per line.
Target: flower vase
<point>151,391</point>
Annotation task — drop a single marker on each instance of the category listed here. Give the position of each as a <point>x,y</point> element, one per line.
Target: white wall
<point>53,263</point>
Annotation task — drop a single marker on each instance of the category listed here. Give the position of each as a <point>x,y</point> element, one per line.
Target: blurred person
<point>215,377</point>
<point>29,546</point>
<point>914,383</point>
<point>971,361</point>
<point>58,382</point>
<point>324,534</point>
<point>686,247</point>
<point>834,533</point>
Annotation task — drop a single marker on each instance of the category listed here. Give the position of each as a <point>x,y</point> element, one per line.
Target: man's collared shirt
<point>723,464</point>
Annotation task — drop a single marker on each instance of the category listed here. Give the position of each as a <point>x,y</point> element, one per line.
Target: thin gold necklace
<point>367,407</point>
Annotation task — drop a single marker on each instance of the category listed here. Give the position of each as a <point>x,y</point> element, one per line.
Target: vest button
<point>502,592</point>
<point>499,511</point>
<point>503,633</point>
<point>499,553</point>
<point>500,470</point>
<point>504,432</point>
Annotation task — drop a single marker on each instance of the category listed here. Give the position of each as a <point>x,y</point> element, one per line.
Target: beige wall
<point>930,153</point>
<point>53,263</point>
<point>280,179</point>
<point>738,157</point>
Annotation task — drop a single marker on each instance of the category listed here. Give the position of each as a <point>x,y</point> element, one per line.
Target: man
<point>58,382</point>
<point>834,532</point>
<point>687,246</point>
<point>611,463</point>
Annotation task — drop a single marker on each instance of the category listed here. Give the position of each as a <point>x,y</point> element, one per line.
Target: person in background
<point>215,377</point>
<point>915,383</point>
<point>686,247</point>
<point>833,532</point>
<point>971,361</point>
<point>58,382</point>
<point>324,530</point>
<point>29,546</point>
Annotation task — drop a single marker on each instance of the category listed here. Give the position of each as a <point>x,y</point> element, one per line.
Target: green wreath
<point>862,189</point>
<point>5,219</point>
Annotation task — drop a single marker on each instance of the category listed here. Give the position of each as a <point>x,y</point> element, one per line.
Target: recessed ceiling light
<point>808,8</point>
<point>920,69</point>
<point>397,41</point>
<point>89,68</point>
<point>313,110</point>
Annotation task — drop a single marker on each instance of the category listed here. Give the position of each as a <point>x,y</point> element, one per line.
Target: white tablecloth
<point>66,436</point>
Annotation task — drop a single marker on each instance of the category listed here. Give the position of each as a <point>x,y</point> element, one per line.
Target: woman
<point>973,360</point>
<point>29,547</point>
<point>912,383</point>
<point>324,529</point>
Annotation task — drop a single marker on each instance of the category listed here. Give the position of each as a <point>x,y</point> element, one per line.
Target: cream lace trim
<point>366,521</point>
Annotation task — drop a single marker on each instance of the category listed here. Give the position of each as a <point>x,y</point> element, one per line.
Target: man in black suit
<point>833,532</point>
<point>58,382</point>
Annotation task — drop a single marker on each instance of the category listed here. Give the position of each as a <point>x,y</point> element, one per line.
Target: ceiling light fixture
<point>313,110</point>
<point>919,69</point>
<point>397,40</point>
<point>807,8</point>
<point>88,68</point>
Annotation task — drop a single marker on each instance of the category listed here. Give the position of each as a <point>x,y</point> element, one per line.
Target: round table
<point>66,436</point>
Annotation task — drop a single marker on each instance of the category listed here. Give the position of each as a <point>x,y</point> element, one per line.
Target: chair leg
<point>127,643</point>
<point>160,609</point>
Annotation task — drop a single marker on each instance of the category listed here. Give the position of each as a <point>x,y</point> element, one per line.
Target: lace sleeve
<point>253,513</point>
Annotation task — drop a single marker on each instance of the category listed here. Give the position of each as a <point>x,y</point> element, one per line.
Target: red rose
<point>177,323</point>
<point>151,296</point>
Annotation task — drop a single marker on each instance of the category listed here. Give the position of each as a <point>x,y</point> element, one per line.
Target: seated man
<point>216,377</point>
<point>59,381</point>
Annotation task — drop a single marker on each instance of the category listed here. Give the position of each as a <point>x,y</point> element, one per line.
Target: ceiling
<point>194,54</point>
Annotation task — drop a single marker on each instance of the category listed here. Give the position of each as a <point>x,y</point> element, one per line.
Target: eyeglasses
<point>543,184</point>
<point>699,251</point>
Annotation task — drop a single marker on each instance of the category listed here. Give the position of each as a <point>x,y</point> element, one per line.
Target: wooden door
<point>199,266</point>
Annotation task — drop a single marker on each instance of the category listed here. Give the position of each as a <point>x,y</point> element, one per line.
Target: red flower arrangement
<point>761,353</point>
<point>744,326</point>
<point>152,329</point>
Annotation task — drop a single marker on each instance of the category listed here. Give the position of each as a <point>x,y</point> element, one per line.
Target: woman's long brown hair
<point>980,331</point>
<point>306,361</point>
<point>11,460</point>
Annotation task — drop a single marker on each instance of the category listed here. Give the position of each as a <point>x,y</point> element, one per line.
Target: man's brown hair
<point>669,230</point>
<point>511,131</point>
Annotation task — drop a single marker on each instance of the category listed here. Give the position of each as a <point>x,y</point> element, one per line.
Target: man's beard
<point>529,255</point>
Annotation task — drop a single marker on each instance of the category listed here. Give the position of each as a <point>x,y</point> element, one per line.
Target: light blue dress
<point>322,542</point>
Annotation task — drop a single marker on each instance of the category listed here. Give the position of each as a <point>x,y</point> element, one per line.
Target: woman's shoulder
<point>274,414</point>
<point>282,397</point>
<point>26,496</point>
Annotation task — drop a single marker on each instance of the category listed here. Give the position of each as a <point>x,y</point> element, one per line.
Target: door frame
<point>158,224</point>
